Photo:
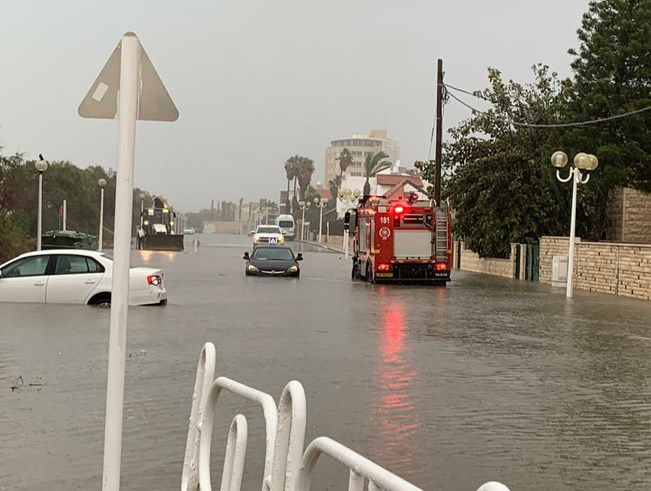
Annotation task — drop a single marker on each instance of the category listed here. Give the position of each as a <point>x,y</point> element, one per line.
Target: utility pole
<point>439,130</point>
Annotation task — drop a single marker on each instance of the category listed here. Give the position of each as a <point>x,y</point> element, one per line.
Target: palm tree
<point>290,172</point>
<point>373,164</point>
<point>345,160</point>
<point>304,171</point>
<point>334,185</point>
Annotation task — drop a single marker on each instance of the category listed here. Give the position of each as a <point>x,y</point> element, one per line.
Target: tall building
<point>359,146</point>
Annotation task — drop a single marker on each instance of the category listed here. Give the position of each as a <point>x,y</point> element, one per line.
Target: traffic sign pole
<point>127,114</point>
<point>127,87</point>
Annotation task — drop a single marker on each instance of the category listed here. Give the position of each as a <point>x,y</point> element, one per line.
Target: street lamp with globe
<point>41,166</point>
<point>303,205</point>
<point>320,203</point>
<point>347,198</point>
<point>102,184</point>
<point>579,173</point>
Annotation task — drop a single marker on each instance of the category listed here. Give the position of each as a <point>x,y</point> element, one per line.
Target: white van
<point>287,225</point>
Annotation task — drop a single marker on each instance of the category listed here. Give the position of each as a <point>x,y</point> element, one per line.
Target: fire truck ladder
<point>441,234</point>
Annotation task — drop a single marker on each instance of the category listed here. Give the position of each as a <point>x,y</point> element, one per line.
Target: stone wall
<point>620,269</point>
<point>629,214</point>
<point>470,261</point>
<point>550,247</point>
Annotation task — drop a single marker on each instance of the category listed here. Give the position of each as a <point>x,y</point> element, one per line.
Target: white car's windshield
<point>273,254</point>
<point>268,230</point>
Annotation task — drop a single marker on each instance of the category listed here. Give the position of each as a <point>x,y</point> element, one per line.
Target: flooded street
<point>448,387</point>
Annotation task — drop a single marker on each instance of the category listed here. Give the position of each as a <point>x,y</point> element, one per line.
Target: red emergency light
<point>398,209</point>
<point>441,266</point>
<point>384,267</point>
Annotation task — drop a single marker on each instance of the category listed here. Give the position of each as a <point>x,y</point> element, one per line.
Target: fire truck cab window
<point>362,236</point>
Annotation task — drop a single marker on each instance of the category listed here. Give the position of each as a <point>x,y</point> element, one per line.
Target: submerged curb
<point>322,246</point>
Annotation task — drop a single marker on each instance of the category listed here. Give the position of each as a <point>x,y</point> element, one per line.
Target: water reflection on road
<point>393,413</point>
<point>450,387</point>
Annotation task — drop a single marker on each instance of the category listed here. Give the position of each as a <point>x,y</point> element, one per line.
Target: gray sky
<point>257,81</point>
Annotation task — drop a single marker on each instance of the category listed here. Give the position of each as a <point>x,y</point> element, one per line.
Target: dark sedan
<point>273,261</point>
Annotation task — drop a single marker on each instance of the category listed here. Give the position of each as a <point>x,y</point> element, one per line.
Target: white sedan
<point>268,234</point>
<point>74,276</point>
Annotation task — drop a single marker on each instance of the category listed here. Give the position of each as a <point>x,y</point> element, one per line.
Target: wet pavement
<point>485,379</point>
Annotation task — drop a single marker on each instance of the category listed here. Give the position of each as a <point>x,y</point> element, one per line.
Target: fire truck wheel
<point>355,273</point>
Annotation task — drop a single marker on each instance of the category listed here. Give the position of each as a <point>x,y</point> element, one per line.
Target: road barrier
<point>286,466</point>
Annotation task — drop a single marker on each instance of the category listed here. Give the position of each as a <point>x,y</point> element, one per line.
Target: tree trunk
<point>367,187</point>
<point>294,196</point>
<point>287,201</point>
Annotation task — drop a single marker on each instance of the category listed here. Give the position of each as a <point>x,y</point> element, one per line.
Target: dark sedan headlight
<point>251,268</point>
<point>292,269</point>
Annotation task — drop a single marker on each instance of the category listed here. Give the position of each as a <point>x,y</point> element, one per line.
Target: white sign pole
<point>39,222</point>
<point>127,114</point>
<point>101,220</point>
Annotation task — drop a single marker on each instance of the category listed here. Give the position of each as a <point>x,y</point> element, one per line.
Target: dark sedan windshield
<point>273,254</point>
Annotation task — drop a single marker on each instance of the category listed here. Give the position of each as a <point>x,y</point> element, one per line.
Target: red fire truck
<point>403,241</point>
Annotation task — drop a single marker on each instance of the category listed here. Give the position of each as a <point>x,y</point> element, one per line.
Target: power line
<point>532,125</point>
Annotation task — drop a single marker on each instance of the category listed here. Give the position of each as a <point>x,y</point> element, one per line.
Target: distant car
<point>272,261</point>
<point>188,231</point>
<point>268,234</point>
<point>75,277</point>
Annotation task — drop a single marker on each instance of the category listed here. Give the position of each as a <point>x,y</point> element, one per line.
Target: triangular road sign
<point>154,102</point>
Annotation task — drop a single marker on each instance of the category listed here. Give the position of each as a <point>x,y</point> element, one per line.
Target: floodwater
<point>487,379</point>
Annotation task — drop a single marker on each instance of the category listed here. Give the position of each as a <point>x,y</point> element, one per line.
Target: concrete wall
<point>629,213</point>
<point>336,241</point>
<point>620,269</point>
<point>470,261</point>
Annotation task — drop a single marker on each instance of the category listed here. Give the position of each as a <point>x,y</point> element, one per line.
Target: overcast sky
<point>257,81</point>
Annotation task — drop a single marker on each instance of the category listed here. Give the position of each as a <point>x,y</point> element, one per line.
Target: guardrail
<point>287,467</point>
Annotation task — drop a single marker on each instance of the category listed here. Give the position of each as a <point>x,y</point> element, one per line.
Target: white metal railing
<point>287,467</point>
<point>361,469</point>
<point>206,425</point>
<point>203,381</point>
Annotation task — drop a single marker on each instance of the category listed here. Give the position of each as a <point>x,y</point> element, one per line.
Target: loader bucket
<point>162,242</point>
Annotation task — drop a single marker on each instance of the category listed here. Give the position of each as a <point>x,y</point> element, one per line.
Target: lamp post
<point>303,205</point>
<point>582,162</point>
<point>41,166</point>
<point>102,184</point>
<point>142,207</point>
<point>347,198</point>
<point>320,203</point>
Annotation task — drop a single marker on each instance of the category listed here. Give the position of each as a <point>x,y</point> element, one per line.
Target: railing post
<point>202,383</point>
<point>270,413</point>
<point>235,455</point>
<point>290,437</point>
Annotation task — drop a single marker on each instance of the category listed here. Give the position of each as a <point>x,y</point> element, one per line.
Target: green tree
<point>62,180</point>
<point>14,223</point>
<point>612,76</point>
<point>334,185</point>
<point>502,185</point>
<point>304,171</point>
<point>345,159</point>
<point>373,164</point>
